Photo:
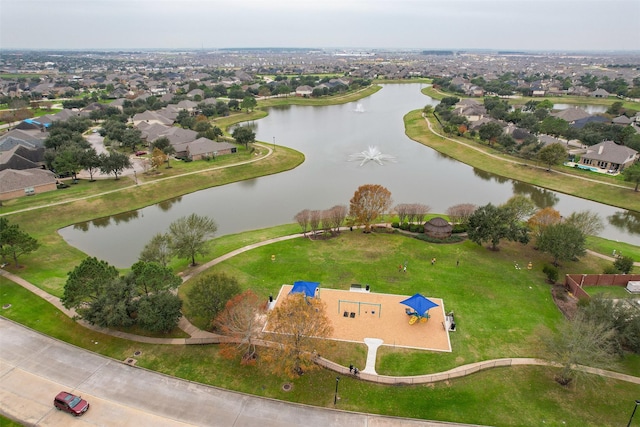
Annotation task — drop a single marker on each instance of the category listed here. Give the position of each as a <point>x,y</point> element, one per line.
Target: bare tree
<point>460,214</point>
<point>337,214</point>
<point>242,319</point>
<point>420,212</point>
<point>325,220</point>
<point>302,218</point>
<point>315,217</point>
<point>403,212</point>
<point>588,222</point>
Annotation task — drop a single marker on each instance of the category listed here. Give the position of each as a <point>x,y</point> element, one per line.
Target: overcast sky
<point>422,24</point>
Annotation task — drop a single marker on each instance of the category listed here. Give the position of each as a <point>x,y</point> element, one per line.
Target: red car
<point>70,403</point>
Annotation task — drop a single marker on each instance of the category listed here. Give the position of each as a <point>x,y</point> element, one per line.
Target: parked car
<point>140,153</point>
<point>70,403</point>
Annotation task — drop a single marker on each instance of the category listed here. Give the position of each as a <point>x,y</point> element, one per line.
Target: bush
<point>395,224</point>
<point>551,272</point>
<point>610,269</point>
<point>459,228</point>
<point>623,264</point>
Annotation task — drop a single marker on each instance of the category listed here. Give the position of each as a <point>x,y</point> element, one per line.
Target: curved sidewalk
<point>198,336</point>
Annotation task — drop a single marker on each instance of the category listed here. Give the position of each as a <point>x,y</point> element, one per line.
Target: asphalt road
<point>34,368</point>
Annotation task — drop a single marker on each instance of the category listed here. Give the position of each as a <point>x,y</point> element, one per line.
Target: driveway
<point>34,368</point>
<point>97,142</point>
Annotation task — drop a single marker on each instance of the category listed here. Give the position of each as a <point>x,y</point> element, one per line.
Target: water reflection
<point>125,217</point>
<point>541,197</point>
<point>627,221</point>
<point>166,205</point>
<point>488,176</point>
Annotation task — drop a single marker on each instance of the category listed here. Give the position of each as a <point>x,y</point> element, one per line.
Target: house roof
<point>609,151</point>
<point>12,180</point>
<point>621,120</point>
<point>571,114</point>
<point>579,124</point>
<point>205,146</point>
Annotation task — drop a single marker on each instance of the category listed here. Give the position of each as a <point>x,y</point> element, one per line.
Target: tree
<point>164,145</point>
<point>68,159</point>
<point>114,163</point>
<point>491,223</point>
<point>490,132</point>
<point>542,219</point>
<point>632,174</point>
<point>112,306</point>
<point>158,157</point>
<point>241,319</point>
<point>563,241</point>
<point>90,161</point>
<point>131,137</point>
<point>86,282</point>
<point>159,312</point>
<point>244,135</point>
<point>248,103</point>
<point>157,250</point>
<point>588,222</point>
<point>152,278</point>
<point>552,154</point>
<point>209,295</point>
<point>579,341</point>
<point>461,213</point>
<point>336,217</point>
<point>14,242</point>
<point>188,236</point>
<point>302,218</point>
<point>298,325</point>
<point>521,207</point>
<point>368,203</point>
<point>623,264</point>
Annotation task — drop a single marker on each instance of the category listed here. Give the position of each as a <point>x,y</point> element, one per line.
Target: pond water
<point>328,136</point>
<point>591,109</point>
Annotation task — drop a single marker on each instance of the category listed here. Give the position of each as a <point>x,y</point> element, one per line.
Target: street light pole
<point>335,396</point>
<point>633,413</point>
<point>274,143</point>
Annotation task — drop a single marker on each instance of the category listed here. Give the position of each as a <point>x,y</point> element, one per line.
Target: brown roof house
<point>206,148</point>
<point>438,228</point>
<point>18,183</point>
<point>609,156</point>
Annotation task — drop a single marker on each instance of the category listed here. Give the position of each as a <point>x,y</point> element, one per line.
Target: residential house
<point>18,183</point>
<point>151,117</point>
<point>20,157</point>
<point>609,156</point>
<point>599,93</point>
<point>304,90</point>
<point>204,147</point>
<point>622,121</point>
<point>570,115</point>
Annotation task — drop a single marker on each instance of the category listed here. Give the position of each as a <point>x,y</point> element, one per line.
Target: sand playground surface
<point>379,316</point>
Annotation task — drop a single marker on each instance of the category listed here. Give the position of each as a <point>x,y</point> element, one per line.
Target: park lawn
<point>326,100</point>
<point>479,156</point>
<point>486,291</point>
<point>517,396</point>
<point>606,247</point>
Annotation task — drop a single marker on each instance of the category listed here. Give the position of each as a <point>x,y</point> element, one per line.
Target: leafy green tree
<point>112,307</point>
<point>491,224</point>
<point>68,160</point>
<point>244,135</point>
<point>490,132</point>
<point>249,103</point>
<point>188,236</point>
<point>428,109</point>
<point>90,161</point>
<point>114,163</point>
<point>563,241</point>
<point>86,282</point>
<point>152,278</point>
<point>209,295</point>
<point>131,137</point>
<point>632,174</point>
<point>552,154</point>
<point>623,264</point>
<point>157,250</point>
<point>159,312</point>
<point>14,242</point>
<point>554,126</point>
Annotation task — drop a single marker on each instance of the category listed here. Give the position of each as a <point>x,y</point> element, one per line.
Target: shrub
<point>395,224</point>
<point>551,272</point>
<point>459,228</point>
<point>623,264</point>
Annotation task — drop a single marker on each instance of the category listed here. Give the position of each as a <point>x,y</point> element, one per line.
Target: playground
<point>357,314</point>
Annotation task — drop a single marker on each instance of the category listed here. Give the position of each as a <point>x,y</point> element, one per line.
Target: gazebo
<point>438,228</point>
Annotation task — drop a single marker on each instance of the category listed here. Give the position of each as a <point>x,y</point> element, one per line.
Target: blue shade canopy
<point>309,288</point>
<point>419,303</point>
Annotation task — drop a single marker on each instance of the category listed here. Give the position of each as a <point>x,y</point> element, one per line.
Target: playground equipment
<point>421,306</point>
